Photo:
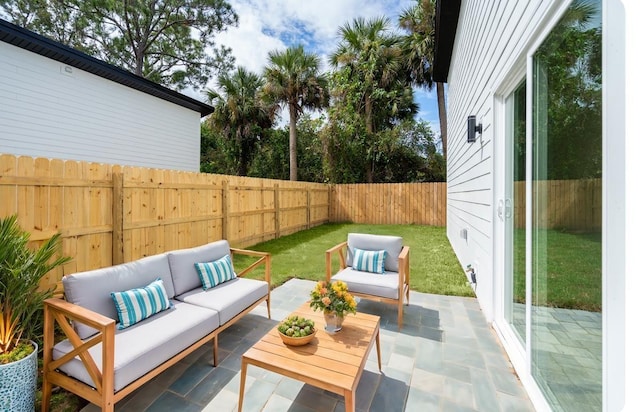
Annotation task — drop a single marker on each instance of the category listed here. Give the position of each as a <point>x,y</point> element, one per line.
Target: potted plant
<point>21,311</point>
<point>335,302</point>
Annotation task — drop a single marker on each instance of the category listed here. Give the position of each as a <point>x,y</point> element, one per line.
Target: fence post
<point>118,218</point>
<point>277,207</point>
<point>308,209</point>
<point>225,210</point>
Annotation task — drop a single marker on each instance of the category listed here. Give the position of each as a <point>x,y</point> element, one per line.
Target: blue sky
<point>266,25</point>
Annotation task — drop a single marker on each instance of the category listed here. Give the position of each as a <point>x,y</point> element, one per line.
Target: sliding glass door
<point>550,212</point>
<point>566,321</point>
<point>512,210</point>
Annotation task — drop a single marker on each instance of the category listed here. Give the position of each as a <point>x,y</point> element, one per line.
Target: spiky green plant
<point>21,269</point>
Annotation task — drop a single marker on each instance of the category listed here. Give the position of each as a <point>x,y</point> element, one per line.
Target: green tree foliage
<point>216,152</point>
<point>404,153</point>
<point>271,160</point>
<point>293,79</point>
<point>369,89</point>
<point>418,47</point>
<point>569,65</point>
<point>241,116</point>
<point>170,42</point>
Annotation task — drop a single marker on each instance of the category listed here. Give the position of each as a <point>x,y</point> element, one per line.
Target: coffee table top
<point>333,362</point>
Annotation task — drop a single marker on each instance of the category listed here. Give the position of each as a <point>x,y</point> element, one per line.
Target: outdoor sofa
<point>111,349</point>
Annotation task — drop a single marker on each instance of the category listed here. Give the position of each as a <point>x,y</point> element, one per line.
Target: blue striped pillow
<point>216,272</point>
<point>137,304</point>
<point>369,260</point>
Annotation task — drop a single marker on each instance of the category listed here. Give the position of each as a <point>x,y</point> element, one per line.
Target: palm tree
<point>373,58</point>
<point>419,49</point>
<point>240,113</point>
<point>293,79</point>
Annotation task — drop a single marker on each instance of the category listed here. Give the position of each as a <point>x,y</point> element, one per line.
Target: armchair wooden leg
<point>46,394</point>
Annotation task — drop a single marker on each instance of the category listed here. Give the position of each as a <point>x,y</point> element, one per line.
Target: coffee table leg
<point>349,401</point>
<point>243,377</point>
<point>378,349</point>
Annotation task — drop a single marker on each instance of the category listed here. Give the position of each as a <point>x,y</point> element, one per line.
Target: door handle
<point>508,212</point>
<point>501,209</point>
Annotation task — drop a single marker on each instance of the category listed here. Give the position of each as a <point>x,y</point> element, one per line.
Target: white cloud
<point>266,25</point>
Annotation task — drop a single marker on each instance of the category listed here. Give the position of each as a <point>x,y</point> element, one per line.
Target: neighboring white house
<point>57,102</point>
<point>546,179</point>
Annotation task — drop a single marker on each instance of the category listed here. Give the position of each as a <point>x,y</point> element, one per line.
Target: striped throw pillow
<point>137,304</point>
<point>369,260</point>
<point>216,272</point>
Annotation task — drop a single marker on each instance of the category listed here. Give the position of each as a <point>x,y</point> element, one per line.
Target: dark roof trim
<point>28,40</point>
<point>447,12</point>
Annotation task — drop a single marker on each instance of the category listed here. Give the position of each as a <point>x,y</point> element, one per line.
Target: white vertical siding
<point>52,110</point>
<point>491,38</point>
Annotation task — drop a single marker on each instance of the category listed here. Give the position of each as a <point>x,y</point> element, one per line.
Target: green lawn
<point>434,267</point>
<point>568,270</point>
<point>572,281</point>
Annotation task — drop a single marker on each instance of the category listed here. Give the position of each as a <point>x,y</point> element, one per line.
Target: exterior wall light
<point>472,128</point>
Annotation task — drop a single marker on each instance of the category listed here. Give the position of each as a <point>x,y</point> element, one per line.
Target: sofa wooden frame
<point>403,277</point>
<point>62,312</point>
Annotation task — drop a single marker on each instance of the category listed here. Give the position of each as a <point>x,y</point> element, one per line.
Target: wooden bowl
<point>291,341</point>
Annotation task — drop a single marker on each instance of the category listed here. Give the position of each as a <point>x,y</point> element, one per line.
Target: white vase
<point>333,322</point>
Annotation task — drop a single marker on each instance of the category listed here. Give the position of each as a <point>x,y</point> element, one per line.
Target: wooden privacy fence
<point>390,203</point>
<point>110,214</point>
<point>574,204</point>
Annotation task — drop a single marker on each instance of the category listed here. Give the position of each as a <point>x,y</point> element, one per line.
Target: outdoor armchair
<point>374,267</point>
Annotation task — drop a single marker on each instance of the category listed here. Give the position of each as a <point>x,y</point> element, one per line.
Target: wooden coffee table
<point>333,362</point>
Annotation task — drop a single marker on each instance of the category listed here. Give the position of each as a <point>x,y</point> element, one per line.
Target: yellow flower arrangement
<point>333,297</point>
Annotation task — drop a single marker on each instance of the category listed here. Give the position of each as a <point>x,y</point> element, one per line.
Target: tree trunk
<point>293,137</point>
<point>442,112</point>
<point>368,113</point>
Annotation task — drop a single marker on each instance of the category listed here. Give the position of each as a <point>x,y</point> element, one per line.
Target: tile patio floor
<point>446,358</point>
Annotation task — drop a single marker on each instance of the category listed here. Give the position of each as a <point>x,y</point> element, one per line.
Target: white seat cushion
<point>228,298</point>
<point>145,345</point>
<point>385,285</point>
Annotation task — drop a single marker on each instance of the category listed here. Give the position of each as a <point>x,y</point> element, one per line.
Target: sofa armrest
<point>61,312</point>
<point>403,267</point>
<point>329,253</point>
<point>265,258</point>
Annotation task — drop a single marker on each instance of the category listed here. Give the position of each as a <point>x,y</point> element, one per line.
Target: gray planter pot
<point>18,382</point>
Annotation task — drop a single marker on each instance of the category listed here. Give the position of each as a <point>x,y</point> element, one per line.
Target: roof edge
<point>447,12</point>
<point>36,43</point>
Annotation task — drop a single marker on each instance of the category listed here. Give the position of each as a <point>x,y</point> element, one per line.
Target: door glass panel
<point>515,212</point>
<point>566,329</point>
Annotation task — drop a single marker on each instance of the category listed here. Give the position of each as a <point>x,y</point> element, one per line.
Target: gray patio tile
<point>427,381</point>
<point>190,378</point>
<point>391,395</point>
<point>210,386</point>
<point>401,362</point>
<point>369,383</point>
<point>313,398</point>
<point>446,358</point>
<point>507,382</point>
<point>448,405</point>
<point>419,400</point>
<point>289,388</point>
<point>455,371</point>
<point>225,401</point>
<point>170,402</point>
<point>460,393</point>
<point>484,392</point>
<point>257,396</point>
<point>510,403</point>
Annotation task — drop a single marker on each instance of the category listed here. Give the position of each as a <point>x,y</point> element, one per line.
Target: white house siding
<point>491,37</point>
<point>52,110</point>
